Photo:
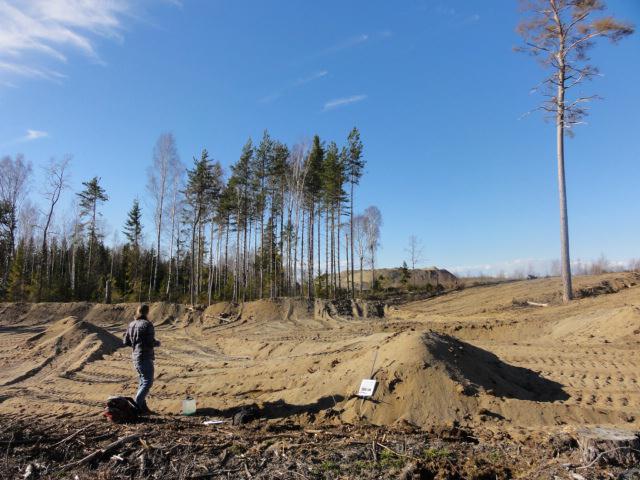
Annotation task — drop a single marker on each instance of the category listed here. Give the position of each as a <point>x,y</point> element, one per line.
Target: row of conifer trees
<point>278,223</point>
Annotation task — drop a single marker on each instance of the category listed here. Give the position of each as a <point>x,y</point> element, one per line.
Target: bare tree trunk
<point>192,279</point>
<point>346,249</point>
<point>373,269</point>
<point>210,276</point>
<point>74,248</point>
<point>319,248</point>
<point>333,252</point>
<point>91,238</point>
<point>255,262</point>
<point>352,262</point>
<point>226,255</point>
<point>219,259</point>
<point>326,252</point>
<point>272,230</point>
<point>361,280</point>
<point>280,272</point>
<point>178,258</point>
<point>236,274</point>
<point>173,227</point>
<point>562,190</point>
<point>289,238</point>
<point>303,278</point>
<point>245,260</point>
<point>338,245</point>
<point>295,252</point>
<point>261,252</point>
<point>311,257</point>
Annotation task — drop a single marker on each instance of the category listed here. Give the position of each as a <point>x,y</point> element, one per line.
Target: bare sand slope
<point>476,355</point>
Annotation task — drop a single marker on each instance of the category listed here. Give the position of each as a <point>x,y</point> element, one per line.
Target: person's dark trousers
<point>144,367</point>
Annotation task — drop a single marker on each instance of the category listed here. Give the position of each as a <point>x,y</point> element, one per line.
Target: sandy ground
<point>479,355</point>
<point>471,384</point>
<point>475,357</point>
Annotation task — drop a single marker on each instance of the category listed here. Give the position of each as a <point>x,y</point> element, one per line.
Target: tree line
<point>280,222</point>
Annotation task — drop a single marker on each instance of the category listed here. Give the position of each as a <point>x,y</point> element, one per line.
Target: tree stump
<point>609,446</point>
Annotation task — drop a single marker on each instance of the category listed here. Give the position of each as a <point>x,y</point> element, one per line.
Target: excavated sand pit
<point>473,357</point>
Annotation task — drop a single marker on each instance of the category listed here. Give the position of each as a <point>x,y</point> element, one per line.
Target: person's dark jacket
<point>141,336</point>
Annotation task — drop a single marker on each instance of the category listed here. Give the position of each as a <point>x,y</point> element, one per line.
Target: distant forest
<point>280,222</point>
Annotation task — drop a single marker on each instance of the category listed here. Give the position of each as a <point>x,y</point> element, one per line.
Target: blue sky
<point>434,86</point>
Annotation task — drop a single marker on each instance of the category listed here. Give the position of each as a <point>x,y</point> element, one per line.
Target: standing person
<point>141,337</point>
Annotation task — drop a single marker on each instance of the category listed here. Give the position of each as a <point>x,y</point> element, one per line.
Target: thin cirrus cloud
<point>343,102</point>
<point>295,84</point>
<point>348,43</point>
<point>33,135</point>
<point>34,34</point>
<point>29,136</point>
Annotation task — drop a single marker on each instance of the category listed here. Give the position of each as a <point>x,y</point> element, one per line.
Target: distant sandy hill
<point>420,277</point>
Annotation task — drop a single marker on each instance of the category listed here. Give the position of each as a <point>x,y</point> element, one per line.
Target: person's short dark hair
<point>142,311</point>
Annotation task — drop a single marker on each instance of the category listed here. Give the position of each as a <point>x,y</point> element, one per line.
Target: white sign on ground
<point>367,387</point>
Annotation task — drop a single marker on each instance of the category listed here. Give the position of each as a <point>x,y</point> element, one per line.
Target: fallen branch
<point>601,454</point>
<point>537,304</point>
<point>102,451</point>
<point>396,453</point>
<point>72,436</point>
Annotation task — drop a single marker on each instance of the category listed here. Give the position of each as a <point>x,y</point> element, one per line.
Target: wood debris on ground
<point>183,448</point>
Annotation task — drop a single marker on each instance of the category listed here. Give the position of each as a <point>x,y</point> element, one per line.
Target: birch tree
<point>57,176</point>
<point>416,252</point>
<point>14,178</point>
<point>360,244</point>
<point>560,33</point>
<point>373,225</point>
<point>163,166</point>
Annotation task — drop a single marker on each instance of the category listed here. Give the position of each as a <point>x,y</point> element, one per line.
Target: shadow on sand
<point>277,409</point>
<point>475,367</point>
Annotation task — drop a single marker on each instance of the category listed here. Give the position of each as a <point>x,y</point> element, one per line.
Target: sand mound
<point>64,347</point>
<point>39,313</point>
<point>429,378</point>
<point>424,378</point>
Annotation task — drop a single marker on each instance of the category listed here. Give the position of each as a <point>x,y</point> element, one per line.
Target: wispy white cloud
<point>310,78</point>
<point>20,70</point>
<point>343,102</point>
<point>36,33</point>
<point>29,136</point>
<point>33,135</point>
<point>348,43</point>
<point>295,84</point>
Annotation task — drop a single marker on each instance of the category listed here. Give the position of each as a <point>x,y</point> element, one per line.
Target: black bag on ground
<point>121,410</point>
<point>245,415</point>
